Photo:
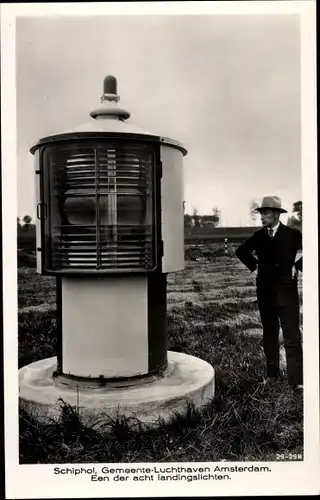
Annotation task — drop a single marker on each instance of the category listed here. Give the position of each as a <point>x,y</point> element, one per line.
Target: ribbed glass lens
<point>79,210</point>
<point>101,207</point>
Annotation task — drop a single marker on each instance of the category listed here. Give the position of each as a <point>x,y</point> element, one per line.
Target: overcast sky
<point>227,87</point>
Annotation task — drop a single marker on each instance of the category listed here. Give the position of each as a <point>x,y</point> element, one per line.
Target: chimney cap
<point>110,85</point>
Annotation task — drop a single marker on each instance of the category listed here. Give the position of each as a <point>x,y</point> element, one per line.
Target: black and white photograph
<point>160,171</point>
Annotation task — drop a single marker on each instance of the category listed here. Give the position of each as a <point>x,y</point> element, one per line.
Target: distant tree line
<point>26,234</point>
<point>296,219</point>
<point>198,220</point>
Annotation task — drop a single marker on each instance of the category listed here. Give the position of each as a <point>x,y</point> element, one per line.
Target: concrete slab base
<point>187,380</point>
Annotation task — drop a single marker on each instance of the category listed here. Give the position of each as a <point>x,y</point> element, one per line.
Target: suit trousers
<point>272,316</point>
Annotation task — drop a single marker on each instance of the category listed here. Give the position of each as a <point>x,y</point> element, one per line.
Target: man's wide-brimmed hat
<point>272,202</point>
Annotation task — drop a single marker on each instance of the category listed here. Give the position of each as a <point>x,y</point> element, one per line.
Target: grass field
<point>212,314</point>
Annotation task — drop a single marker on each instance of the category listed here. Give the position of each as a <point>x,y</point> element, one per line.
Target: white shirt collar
<point>275,228</point>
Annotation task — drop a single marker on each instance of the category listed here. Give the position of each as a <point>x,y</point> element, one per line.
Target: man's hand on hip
<point>294,272</point>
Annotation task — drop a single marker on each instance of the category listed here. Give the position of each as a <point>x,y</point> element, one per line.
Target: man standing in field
<point>276,248</point>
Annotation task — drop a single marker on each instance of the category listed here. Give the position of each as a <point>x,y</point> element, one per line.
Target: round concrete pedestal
<point>187,380</point>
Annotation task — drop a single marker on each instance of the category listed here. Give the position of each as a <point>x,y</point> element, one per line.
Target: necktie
<point>270,232</point>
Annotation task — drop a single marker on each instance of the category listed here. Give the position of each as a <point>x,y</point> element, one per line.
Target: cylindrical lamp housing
<point>110,227</point>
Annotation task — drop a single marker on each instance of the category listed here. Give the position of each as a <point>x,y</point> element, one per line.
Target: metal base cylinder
<point>112,328</point>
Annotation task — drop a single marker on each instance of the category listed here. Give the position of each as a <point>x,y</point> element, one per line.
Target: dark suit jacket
<point>274,258</point>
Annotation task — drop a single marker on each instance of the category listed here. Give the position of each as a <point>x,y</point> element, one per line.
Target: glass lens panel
<point>78,210</point>
<point>131,210</point>
<point>101,207</point>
